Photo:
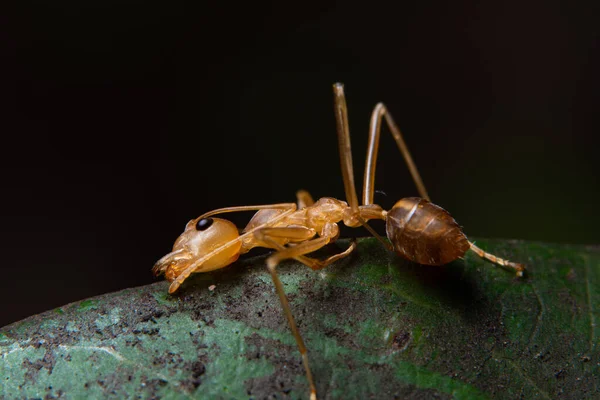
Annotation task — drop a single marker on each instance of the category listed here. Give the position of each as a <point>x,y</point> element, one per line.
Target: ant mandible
<point>418,230</point>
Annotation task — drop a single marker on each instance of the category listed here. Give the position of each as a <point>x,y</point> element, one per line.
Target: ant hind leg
<point>518,268</point>
<point>379,112</point>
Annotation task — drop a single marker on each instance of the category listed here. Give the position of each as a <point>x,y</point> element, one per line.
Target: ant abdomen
<point>425,233</point>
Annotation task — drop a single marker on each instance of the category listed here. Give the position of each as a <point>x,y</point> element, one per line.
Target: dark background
<point>123,120</point>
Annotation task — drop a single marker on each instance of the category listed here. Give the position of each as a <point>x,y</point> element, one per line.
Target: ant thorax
<point>326,210</point>
<point>318,216</point>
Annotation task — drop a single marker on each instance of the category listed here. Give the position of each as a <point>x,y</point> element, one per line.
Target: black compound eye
<point>203,224</point>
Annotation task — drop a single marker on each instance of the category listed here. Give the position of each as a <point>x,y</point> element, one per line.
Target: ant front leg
<point>271,237</point>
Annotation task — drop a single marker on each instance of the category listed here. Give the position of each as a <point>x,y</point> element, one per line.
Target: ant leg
<point>269,236</point>
<point>317,264</point>
<point>374,132</point>
<point>343,132</point>
<point>519,268</point>
<point>304,199</point>
<point>288,314</point>
<point>272,267</point>
<point>309,247</point>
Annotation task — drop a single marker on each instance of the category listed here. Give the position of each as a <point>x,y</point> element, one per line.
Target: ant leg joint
<point>271,264</point>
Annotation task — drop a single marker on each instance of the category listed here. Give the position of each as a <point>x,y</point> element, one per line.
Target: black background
<point>123,120</point>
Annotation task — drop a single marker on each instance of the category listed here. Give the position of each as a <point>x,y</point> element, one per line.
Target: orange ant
<point>418,230</point>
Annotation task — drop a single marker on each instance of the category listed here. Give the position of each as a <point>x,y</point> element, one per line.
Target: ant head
<point>200,237</point>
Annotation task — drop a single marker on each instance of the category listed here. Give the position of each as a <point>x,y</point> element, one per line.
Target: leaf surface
<point>375,326</point>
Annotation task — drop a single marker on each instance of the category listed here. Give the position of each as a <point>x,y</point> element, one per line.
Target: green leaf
<point>376,327</point>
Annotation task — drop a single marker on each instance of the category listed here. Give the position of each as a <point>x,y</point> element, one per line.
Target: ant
<point>418,230</point>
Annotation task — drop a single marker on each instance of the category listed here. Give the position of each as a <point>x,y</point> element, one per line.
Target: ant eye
<point>203,224</point>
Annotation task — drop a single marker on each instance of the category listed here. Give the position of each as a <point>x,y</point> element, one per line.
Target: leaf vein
<point>539,317</point>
